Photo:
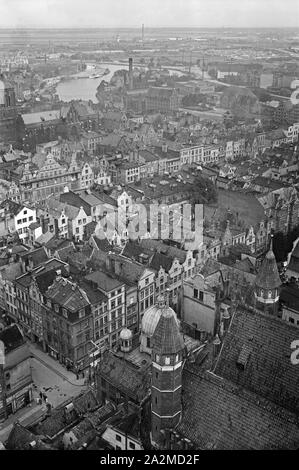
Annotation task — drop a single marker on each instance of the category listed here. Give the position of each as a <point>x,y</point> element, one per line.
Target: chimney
<point>130,73</point>
<point>216,346</point>
<point>30,263</point>
<point>164,148</point>
<point>118,267</point>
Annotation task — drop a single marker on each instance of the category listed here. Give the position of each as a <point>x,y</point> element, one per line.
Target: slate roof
<point>159,260</point>
<point>56,422</point>
<point>220,415</point>
<point>269,372</point>
<point>130,271</point>
<point>289,296</point>
<point>37,256</point>
<point>86,401</point>
<point>67,294</point>
<point>129,425</point>
<point>11,206</point>
<point>95,296</point>
<point>124,376</point>
<point>167,338</point>
<point>133,250</point>
<point>72,199</point>
<point>268,276</point>
<point>104,281</point>
<point>102,245</point>
<point>20,438</point>
<point>159,246</point>
<point>12,338</point>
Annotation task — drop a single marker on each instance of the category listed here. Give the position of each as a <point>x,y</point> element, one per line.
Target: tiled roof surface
<point>56,422</point>
<point>86,401</point>
<point>12,338</point>
<point>67,294</point>
<point>102,245</point>
<point>159,246</point>
<point>37,256</point>
<point>220,415</point>
<point>104,281</point>
<point>269,371</point>
<point>268,276</point>
<point>124,376</point>
<point>12,206</point>
<point>167,338</point>
<point>289,296</point>
<point>159,260</point>
<point>20,438</point>
<point>95,296</point>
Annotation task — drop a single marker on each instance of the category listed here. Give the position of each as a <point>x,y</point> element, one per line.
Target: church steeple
<point>267,284</point>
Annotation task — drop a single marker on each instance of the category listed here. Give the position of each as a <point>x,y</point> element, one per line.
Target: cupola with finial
<point>267,284</point>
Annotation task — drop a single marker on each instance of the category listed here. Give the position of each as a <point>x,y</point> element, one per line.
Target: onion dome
<point>125,334</point>
<point>152,316</point>
<point>268,276</point>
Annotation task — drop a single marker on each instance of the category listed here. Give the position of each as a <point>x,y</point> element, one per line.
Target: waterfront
<point>85,88</point>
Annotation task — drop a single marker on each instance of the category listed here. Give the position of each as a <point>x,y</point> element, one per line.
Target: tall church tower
<point>167,360</point>
<point>267,284</point>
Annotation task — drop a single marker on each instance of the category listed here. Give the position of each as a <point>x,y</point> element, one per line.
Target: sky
<point>153,13</point>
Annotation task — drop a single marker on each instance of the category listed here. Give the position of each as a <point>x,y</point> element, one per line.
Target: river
<point>86,88</point>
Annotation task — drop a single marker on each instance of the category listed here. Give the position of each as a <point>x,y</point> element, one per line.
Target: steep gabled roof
<point>269,372</point>
<point>220,415</point>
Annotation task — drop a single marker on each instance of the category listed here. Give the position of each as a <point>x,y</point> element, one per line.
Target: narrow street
<point>49,378</point>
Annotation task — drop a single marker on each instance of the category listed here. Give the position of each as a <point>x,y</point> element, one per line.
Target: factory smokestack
<point>130,74</point>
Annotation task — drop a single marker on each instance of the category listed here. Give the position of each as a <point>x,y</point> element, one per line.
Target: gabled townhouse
<point>17,218</point>
<point>68,325</point>
<point>30,288</point>
<point>114,318</point>
<point>86,176</point>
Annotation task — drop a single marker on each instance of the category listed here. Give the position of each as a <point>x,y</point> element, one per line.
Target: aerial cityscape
<point>149,225</point>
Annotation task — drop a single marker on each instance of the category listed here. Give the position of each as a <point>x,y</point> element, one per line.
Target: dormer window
<point>157,358</point>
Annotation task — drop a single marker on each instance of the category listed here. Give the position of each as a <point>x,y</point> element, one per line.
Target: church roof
<point>268,371</point>
<point>218,414</point>
<point>268,276</point>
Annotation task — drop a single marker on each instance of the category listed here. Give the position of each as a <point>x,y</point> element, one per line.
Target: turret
<point>167,360</point>
<point>267,285</point>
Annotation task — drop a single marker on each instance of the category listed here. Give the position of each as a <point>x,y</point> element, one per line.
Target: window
<point>157,358</point>
<point>81,313</point>
<point>148,342</point>
<point>131,445</point>
<point>167,361</point>
<point>64,312</point>
<point>19,221</point>
<point>30,218</point>
<point>195,293</point>
<point>118,437</point>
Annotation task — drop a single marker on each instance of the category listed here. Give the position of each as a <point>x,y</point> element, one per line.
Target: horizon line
<point>145,27</point>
